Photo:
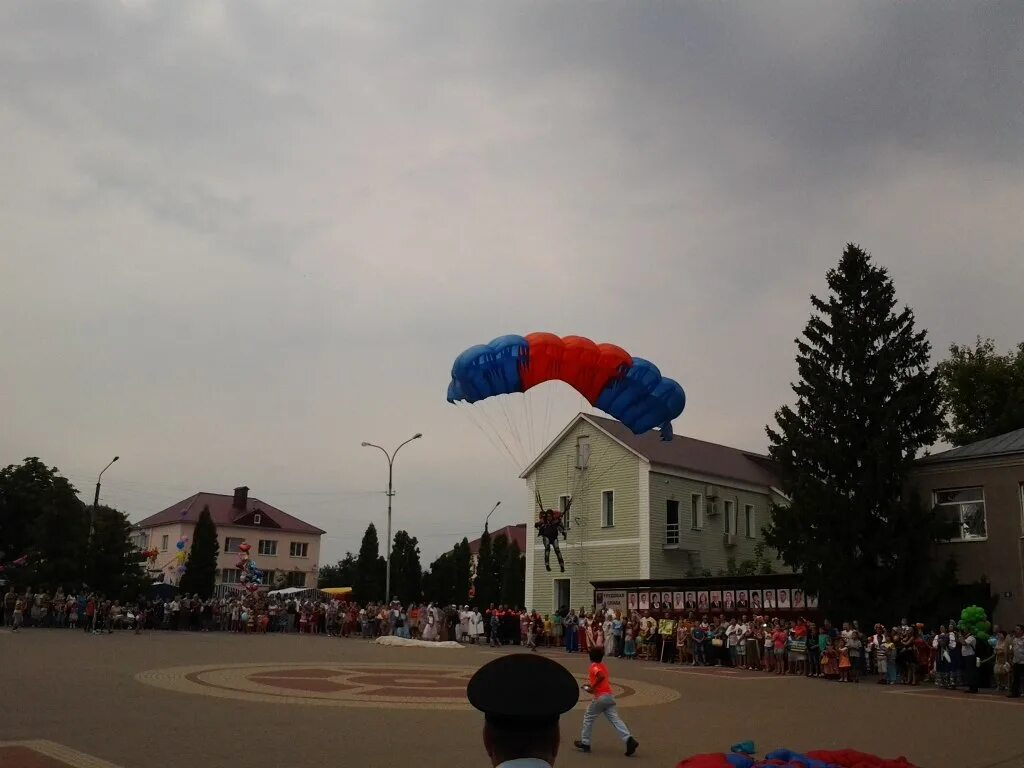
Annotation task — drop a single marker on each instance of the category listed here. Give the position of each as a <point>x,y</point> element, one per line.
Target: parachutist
<point>551,523</point>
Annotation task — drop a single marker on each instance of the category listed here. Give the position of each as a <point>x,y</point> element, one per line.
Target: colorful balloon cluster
<point>149,554</point>
<point>181,555</point>
<point>974,619</point>
<point>252,576</point>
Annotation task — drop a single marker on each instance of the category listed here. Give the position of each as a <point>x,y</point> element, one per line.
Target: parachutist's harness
<point>551,522</point>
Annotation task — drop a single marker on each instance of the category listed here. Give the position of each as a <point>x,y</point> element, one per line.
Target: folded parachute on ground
<point>630,389</point>
<point>784,758</point>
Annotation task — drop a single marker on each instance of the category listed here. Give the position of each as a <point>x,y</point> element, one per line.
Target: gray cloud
<point>240,237</point>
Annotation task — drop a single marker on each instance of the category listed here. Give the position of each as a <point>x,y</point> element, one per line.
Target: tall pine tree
<point>499,559</point>
<point>866,404</point>
<point>487,587</point>
<point>461,559</point>
<point>201,567</point>
<point>369,578</point>
<point>513,577</point>
<point>406,571</point>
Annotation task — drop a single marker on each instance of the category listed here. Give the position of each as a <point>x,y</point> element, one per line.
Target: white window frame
<point>729,515</point>
<point>1021,511</point>
<point>302,546</point>
<point>270,551</point>
<point>230,576</point>
<point>163,542</point>
<point>984,511</point>
<point>750,516</point>
<point>563,502</point>
<point>583,452</point>
<point>257,519</point>
<point>697,521</point>
<point>608,521</point>
<point>227,544</point>
<point>672,538</point>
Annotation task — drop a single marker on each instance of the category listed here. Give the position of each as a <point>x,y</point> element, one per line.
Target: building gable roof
<point>683,453</point>
<point>223,512</point>
<point>516,533</point>
<point>991,447</point>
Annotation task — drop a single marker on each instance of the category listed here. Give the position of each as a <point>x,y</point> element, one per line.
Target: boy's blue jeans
<point>603,705</point>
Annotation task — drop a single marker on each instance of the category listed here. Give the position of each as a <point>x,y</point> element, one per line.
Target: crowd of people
<point>906,654</point>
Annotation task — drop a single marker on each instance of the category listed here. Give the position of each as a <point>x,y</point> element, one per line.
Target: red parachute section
<point>578,361</point>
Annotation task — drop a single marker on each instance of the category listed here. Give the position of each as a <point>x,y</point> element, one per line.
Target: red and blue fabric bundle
<point>627,388</point>
<point>784,758</point>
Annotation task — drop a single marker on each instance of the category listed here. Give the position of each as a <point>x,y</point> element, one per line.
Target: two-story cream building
<point>642,509</point>
<point>281,545</point>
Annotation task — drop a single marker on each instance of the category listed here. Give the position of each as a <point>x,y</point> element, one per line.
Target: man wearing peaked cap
<point>522,696</point>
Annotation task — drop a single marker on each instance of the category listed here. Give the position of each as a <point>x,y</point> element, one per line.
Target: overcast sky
<point>239,238</point>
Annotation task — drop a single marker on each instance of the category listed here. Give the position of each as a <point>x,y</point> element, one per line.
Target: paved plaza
<point>167,700</point>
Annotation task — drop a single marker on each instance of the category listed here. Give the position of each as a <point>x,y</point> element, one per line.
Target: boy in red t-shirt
<point>599,684</point>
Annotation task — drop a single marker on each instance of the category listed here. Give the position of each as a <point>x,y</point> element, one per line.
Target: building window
<point>730,517</point>
<point>563,507</point>
<point>163,543</point>
<point>267,547</point>
<point>582,452</point>
<point>268,578</point>
<point>607,509</point>
<point>230,576</point>
<point>298,549</point>
<point>232,544</point>
<point>671,522</point>
<point>748,514</point>
<point>296,579</point>
<point>257,519</point>
<point>696,512</point>
<point>964,510</point>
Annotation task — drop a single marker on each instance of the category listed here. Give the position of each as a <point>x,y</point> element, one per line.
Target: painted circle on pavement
<point>334,684</point>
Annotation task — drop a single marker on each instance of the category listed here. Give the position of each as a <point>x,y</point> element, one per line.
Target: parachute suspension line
<point>513,431</point>
<point>492,433</point>
<point>527,406</point>
<point>467,411</point>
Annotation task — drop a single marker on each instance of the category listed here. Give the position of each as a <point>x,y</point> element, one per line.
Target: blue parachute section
<point>486,370</point>
<point>643,399</point>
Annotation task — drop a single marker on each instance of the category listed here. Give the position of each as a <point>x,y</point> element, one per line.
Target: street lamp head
<point>417,436</point>
<point>115,459</point>
<point>497,505</point>
<point>365,444</point>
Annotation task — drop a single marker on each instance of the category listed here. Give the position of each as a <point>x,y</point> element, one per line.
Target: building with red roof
<point>281,544</point>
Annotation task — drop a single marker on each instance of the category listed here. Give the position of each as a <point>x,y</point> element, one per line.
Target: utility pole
<point>391,492</point>
<point>96,499</point>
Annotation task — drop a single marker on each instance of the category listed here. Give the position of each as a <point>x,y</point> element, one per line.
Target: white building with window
<point>979,490</point>
<point>642,509</point>
<point>285,548</point>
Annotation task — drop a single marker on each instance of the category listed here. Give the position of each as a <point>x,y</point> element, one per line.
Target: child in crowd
<point>630,647</point>
<point>843,650</point>
<point>73,615</point>
<point>856,648</point>
<point>891,668</point>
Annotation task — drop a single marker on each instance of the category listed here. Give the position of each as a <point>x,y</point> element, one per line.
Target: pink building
<point>283,546</point>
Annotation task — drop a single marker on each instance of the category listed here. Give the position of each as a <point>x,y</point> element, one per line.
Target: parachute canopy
<point>627,388</point>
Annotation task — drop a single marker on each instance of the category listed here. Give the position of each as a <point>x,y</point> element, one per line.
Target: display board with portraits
<point>754,599</point>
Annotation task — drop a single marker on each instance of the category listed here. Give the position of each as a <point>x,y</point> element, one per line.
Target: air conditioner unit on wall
<point>729,539</point>
<point>711,492</point>
<point>711,508</point>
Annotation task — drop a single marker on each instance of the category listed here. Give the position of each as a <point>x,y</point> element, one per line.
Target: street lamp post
<point>96,498</point>
<point>391,465</point>
<point>489,515</point>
